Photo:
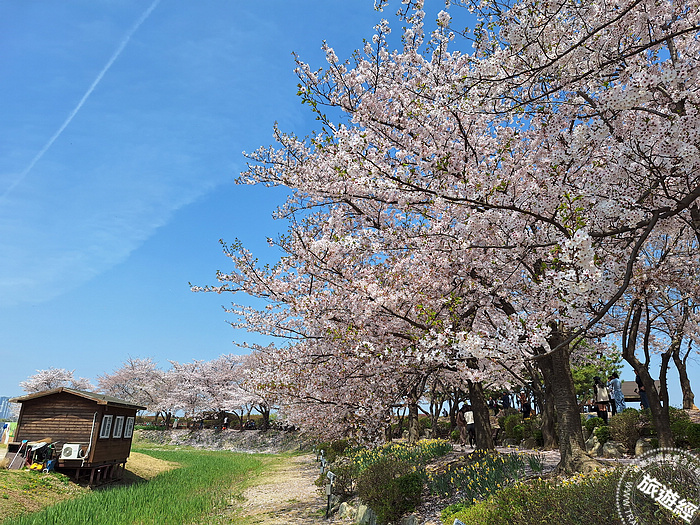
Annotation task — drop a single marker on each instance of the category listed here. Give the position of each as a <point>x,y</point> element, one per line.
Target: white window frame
<point>129,428</point>
<point>118,427</point>
<point>106,426</point>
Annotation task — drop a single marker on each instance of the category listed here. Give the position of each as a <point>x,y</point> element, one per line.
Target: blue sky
<point>101,234</point>
<point>123,126</point>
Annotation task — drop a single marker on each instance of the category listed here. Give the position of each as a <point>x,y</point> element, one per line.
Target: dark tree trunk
<point>265,413</point>
<point>557,374</point>
<point>482,419</point>
<point>413,427</point>
<point>543,394</point>
<point>659,412</point>
<point>388,437</point>
<point>453,403</point>
<point>681,366</point>
<point>663,380</point>
<point>401,413</point>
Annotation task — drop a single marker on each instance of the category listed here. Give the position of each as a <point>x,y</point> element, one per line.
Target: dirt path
<point>286,494</point>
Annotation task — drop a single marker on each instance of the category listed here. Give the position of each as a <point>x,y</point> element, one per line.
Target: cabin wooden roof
<point>100,399</point>
<point>629,390</point>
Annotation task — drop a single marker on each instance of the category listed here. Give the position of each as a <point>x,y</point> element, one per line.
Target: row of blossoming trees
<point>483,207</point>
<point>199,389</point>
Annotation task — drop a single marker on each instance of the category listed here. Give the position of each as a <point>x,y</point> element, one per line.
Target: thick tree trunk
<point>548,414</point>
<point>543,393</point>
<point>388,437</point>
<point>688,396</point>
<point>482,420</point>
<point>572,447</point>
<point>265,412</point>
<point>659,413</point>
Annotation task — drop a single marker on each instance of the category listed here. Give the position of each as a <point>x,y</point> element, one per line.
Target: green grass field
<point>202,490</point>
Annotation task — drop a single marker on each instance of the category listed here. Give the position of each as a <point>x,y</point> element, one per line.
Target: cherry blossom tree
<point>51,378</point>
<point>512,190</point>
<point>137,380</point>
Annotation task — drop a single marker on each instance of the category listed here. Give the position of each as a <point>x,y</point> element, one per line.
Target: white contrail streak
<point>89,91</point>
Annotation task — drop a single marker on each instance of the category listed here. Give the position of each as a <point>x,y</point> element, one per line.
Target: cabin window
<point>118,426</point>
<point>129,427</point>
<point>106,427</point>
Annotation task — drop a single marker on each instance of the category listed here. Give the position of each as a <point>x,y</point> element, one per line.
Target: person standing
<point>525,406</point>
<point>643,399</point>
<point>469,420</point>
<point>601,396</point>
<point>505,401</point>
<point>462,426</point>
<point>618,398</point>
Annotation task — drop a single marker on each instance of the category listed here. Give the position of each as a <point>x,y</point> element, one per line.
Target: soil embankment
<point>249,441</point>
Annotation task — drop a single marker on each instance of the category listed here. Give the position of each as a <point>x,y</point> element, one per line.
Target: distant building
<point>5,408</point>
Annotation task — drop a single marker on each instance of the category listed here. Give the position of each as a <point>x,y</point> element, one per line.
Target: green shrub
<point>694,435</point>
<point>518,432</point>
<point>539,437</point>
<point>509,423</point>
<point>625,428</point>
<point>602,433</point>
<point>593,422</point>
<point>443,429</point>
<point>454,435</point>
<point>333,449</point>
<point>344,483</point>
<point>686,433</point>
<point>390,488</point>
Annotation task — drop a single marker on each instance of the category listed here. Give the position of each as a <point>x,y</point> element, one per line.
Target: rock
<point>365,516</point>
<point>509,442</point>
<point>529,443</point>
<point>409,520</point>
<point>346,511</point>
<point>643,446</point>
<point>593,446</point>
<point>612,449</point>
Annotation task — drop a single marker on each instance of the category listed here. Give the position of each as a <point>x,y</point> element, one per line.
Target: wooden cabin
<point>90,433</point>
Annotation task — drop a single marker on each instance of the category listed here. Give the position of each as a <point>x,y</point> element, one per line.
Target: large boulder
<point>593,446</point>
<point>346,511</point>
<point>365,516</point>
<point>529,443</point>
<point>642,446</point>
<point>613,449</point>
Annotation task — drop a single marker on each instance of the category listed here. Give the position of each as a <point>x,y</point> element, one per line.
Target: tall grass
<point>188,494</point>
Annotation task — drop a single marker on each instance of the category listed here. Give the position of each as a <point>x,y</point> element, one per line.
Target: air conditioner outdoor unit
<point>71,451</point>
